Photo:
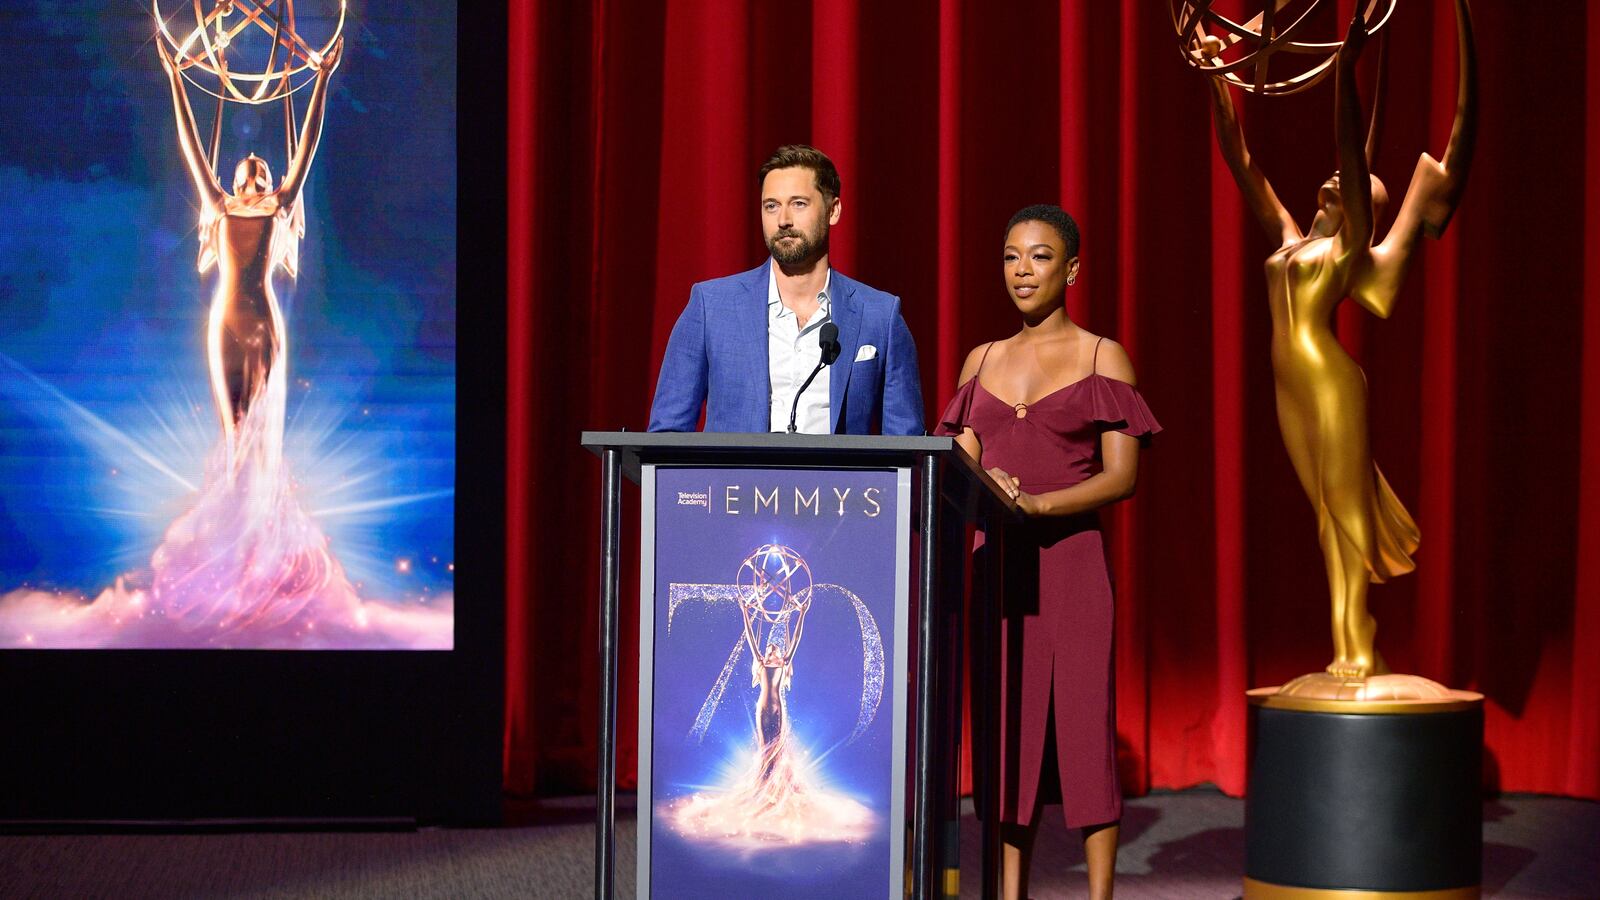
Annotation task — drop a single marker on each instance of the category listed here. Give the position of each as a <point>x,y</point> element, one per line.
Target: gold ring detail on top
<point>1376,695</point>
<point>1261,890</point>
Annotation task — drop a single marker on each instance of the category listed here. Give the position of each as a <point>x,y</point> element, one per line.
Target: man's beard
<point>797,251</point>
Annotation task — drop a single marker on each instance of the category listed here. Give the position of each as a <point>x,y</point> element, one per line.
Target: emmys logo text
<point>754,500</point>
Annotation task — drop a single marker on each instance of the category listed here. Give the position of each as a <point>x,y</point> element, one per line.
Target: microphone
<point>828,339</point>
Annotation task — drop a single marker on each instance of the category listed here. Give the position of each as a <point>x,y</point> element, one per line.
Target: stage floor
<point>1174,845</point>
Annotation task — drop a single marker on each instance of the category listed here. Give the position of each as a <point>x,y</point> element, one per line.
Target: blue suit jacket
<point>717,355</point>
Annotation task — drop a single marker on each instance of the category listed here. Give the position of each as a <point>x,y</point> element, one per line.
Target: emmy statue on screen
<point>243,565</point>
<point>246,564</point>
<point>1399,754</point>
<point>248,234</point>
<point>775,595</point>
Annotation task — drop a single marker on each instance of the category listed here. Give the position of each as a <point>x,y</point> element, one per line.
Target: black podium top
<point>972,487</point>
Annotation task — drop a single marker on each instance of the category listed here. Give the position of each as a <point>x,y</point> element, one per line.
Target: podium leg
<point>986,708</point>
<point>606,780</point>
<point>954,551</point>
<point>922,811</point>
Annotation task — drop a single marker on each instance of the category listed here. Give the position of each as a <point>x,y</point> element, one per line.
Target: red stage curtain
<point>635,132</point>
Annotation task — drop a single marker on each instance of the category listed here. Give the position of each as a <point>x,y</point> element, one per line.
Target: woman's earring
<point>1072,279</point>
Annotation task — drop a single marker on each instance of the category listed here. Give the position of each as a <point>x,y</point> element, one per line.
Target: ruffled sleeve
<point>1117,406</point>
<point>954,417</point>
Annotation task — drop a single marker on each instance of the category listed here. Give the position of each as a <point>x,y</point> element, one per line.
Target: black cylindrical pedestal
<point>1381,799</point>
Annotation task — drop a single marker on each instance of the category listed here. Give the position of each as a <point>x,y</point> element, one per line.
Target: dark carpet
<point>1174,845</point>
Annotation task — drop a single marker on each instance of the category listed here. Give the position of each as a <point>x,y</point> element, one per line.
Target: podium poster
<point>772,682</point>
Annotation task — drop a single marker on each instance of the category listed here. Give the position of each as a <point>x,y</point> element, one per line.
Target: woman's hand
<point>1010,485</point>
<point>1029,504</point>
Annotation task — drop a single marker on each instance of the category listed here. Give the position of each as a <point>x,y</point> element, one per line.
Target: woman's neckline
<point>1036,401</point>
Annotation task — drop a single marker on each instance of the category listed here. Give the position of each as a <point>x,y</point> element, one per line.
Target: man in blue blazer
<point>745,344</point>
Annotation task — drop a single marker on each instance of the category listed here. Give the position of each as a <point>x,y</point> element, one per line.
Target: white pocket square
<point>866,352</point>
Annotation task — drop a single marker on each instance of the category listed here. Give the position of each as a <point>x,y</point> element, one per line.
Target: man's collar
<point>824,297</point>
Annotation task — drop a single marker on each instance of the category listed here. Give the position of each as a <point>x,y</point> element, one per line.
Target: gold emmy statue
<point>256,229</point>
<point>1365,533</point>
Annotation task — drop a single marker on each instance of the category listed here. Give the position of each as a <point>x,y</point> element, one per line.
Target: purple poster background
<point>746,800</point>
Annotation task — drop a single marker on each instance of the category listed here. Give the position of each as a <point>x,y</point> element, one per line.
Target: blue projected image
<point>227,326</point>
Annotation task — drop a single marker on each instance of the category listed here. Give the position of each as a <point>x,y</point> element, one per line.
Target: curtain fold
<point>1584,708</point>
<point>522,93</point>
<point>634,137</point>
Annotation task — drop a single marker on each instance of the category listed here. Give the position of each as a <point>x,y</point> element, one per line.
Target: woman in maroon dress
<point>1052,413</point>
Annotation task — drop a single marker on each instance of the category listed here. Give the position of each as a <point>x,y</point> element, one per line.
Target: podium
<point>801,640</point>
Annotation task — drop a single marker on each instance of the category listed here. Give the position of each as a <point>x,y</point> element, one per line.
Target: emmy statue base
<point>1364,798</point>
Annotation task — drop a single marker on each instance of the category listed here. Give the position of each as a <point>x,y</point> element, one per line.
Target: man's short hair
<point>792,155</point>
<point>1051,215</point>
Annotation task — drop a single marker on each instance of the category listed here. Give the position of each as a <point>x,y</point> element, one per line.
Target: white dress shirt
<point>792,352</point>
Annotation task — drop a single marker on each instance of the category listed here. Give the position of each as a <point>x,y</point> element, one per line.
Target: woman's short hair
<point>1051,215</point>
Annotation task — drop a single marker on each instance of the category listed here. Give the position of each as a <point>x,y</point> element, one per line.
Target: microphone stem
<point>794,409</point>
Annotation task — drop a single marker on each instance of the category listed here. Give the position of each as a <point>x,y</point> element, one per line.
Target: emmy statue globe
<point>1360,779</point>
